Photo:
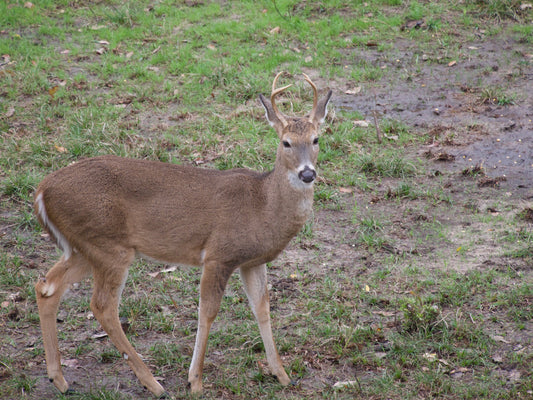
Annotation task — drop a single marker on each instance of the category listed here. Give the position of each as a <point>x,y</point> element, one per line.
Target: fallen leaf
<point>452,63</point>
<point>100,51</point>
<point>129,54</point>
<point>103,42</point>
<point>355,90</point>
<point>362,124</point>
<point>211,46</point>
<point>430,356</point>
<point>343,384</point>
<point>169,269</point>
<point>345,190</point>
<point>100,335</point>
<point>70,363</point>
<point>498,338</point>
<point>308,59</point>
<point>5,304</point>
<point>10,112</point>
<point>52,91</point>
<point>391,137</point>
<point>28,5</point>
<point>367,288</point>
<point>497,359</point>
<point>275,30</point>
<point>64,52</point>
<point>61,149</point>
<point>384,313</point>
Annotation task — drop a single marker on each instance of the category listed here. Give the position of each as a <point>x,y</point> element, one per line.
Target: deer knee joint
<point>44,288</point>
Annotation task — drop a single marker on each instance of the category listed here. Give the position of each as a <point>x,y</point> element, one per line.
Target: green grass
<point>374,301</point>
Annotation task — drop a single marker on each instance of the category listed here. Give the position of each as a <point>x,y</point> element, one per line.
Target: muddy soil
<point>451,101</point>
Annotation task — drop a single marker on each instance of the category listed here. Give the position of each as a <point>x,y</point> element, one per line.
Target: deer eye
<point>286,144</point>
<point>315,140</point>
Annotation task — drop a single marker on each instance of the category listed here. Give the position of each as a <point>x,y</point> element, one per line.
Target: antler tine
<point>275,92</point>
<point>315,97</point>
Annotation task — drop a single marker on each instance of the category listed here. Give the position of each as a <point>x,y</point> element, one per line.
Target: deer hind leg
<point>212,286</point>
<point>48,292</point>
<point>109,281</point>
<point>255,286</point>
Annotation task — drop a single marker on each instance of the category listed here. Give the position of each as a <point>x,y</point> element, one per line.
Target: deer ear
<point>322,108</point>
<point>270,114</point>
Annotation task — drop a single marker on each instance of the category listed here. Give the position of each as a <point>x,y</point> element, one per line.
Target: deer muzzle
<point>307,174</point>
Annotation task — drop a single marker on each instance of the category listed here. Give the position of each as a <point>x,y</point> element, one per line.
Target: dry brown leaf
<point>70,363</point>
<point>275,30</point>
<point>361,123</point>
<point>343,384</point>
<point>52,91</point>
<point>452,63</point>
<point>10,112</point>
<point>61,149</point>
<point>384,313</point>
<point>28,4</point>
<point>345,190</point>
<point>355,90</point>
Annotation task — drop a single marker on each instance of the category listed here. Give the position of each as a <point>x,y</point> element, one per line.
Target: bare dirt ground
<point>467,131</point>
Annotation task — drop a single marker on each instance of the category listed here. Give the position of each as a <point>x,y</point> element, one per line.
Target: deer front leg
<point>255,286</point>
<point>212,286</point>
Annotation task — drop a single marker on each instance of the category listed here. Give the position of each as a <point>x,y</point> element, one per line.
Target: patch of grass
<point>384,165</point>
<point>169,356</point>
<point>497,96</point>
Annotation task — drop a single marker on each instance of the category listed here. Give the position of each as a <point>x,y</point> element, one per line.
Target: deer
<point>104,211</point>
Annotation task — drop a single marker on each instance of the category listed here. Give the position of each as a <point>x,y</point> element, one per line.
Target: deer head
<point>298,148</point>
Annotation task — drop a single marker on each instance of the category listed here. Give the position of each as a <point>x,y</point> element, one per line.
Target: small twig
<point>358,383</point>
<point>278,11</point>
<point>378,131</point>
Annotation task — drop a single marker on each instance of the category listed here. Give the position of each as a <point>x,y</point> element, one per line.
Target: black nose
<point>307,175</point>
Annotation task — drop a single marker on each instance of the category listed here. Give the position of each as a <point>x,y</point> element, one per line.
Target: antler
<point>315,98</point>
<point>275,92</point>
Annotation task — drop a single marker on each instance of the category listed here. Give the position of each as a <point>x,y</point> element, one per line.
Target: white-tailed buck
<point>104,211</point>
